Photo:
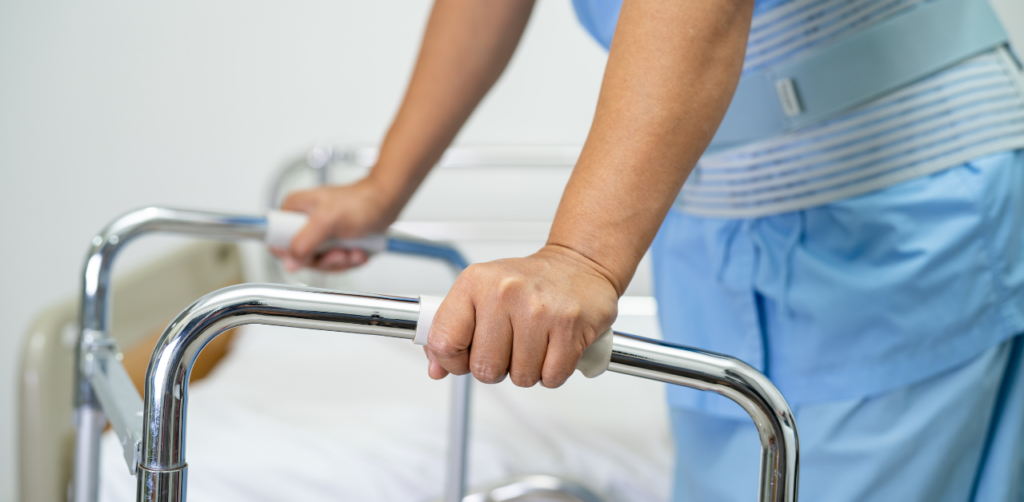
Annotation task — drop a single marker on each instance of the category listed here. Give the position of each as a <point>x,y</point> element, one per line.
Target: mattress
<point>317,416</point>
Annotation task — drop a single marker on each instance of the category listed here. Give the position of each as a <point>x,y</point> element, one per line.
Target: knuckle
<point>293,200</point>
<point>533,315</point>
<point>486,372</point>
<point>472,270</point>
<point>536,307</point>
<point>579,344</point>
<point>473,275</point>
<point>573,313</point>
<point>443,347</point>
<point>509,285</point>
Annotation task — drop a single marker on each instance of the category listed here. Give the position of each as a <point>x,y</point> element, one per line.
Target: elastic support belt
<point>854,70</point>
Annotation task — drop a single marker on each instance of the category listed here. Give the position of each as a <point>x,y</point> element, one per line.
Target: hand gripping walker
<point>102,387</point>
<point>162,470</point>
<point>281,229</point>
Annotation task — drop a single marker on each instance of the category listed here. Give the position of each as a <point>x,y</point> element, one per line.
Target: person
<point>870,262</point>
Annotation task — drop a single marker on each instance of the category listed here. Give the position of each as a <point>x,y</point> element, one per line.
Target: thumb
<point>451,334</point>
<point>308,240</point>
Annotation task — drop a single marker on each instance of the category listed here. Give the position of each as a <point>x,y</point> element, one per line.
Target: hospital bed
<point>39,483</point>
<point>559,485</point>
<point>45,428</point>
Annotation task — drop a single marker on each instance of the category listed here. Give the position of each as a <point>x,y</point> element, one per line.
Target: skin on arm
<point>672,70</point>
<point>466,46</point>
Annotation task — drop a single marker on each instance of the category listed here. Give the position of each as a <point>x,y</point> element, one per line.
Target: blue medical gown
<point>853,298</point>
<point>885,319</point>
<point>857,297</point>
<point>956,437</point>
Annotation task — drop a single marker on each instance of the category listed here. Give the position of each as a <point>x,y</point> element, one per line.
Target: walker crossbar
<point>102,387</point>
<point>162,472</point>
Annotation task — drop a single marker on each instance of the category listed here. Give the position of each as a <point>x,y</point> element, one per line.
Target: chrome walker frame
<point>319,160</point>
<point>102,389</point>
<point>162,471</point>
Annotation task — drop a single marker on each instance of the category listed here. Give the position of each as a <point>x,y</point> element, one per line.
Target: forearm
<point>672,70</point>
<point>466,46</point>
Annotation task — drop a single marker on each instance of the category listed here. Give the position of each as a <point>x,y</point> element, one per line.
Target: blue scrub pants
<point>956,437</point>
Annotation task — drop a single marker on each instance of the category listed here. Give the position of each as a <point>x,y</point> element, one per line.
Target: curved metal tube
<point>95,313</point>
<point>734,379</point>
<point>162,473</point>
<point>110,240</point>
<point>95,305</point>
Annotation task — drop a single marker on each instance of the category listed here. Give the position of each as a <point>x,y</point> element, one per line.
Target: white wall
<point>114,104</point>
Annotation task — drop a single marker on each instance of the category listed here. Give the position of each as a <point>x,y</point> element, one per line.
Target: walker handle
<point>595,359</point>
<point>283,226</point>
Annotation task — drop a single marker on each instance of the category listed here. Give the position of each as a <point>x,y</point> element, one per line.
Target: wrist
<point>565,253</point>
<point>388,193</point>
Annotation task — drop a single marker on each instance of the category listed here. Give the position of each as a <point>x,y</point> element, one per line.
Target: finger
<point>434,369</point>
<point>338,260</point>
<point>491,349</point>
<point>291,264</point>
<point>452,331</point>
<point>358,257</point>
<point>303,201</point>
<point>334,260</point>
<point>564,352</point>
<point>306,242</point>
<point>529,347</point>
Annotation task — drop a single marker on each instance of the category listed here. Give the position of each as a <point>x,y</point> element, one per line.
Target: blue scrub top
<point>599,17</point>
<point>850,299</point>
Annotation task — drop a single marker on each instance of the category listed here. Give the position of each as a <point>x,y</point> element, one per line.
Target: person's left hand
<point>530,318</point>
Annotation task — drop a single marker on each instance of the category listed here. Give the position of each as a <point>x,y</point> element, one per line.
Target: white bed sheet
<point>317,416</point>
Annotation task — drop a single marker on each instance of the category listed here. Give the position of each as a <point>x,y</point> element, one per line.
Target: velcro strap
<point>854,70</point>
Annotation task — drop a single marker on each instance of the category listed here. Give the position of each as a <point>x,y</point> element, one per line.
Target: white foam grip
<point>428,307</point>
<point>597,356</point>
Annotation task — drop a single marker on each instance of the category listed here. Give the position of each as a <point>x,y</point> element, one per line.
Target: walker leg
<point>458,439</point>
<point>85,480</point>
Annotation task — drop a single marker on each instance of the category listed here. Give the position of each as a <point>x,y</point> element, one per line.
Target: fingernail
<point>290,264</point>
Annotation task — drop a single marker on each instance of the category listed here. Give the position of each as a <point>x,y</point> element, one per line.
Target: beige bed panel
<point>144,301</point>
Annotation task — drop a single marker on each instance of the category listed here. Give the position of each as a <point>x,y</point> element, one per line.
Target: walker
<point>152,433</point>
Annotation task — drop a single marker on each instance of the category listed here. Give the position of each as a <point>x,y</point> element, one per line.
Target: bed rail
<point>102,389</point>
<point>162,471</point>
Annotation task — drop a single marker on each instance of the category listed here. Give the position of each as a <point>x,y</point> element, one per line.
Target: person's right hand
<point>337,211</point>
